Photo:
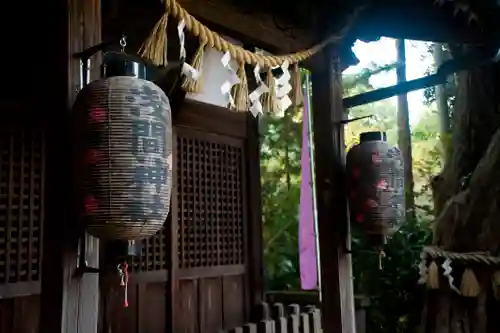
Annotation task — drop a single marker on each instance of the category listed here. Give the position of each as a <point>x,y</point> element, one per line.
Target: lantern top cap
<point>373,136</point>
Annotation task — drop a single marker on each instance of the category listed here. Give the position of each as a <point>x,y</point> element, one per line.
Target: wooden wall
<point>22,163</point>
<point>200,274</point>
<point>194,276</point>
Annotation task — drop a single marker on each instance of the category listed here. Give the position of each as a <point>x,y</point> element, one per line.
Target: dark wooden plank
<point>83,290</point>
<point>211,118</point>
<point>333,224</point>
<point>207,272</point>
<point>210,304</point>
<point>187,316</point>
<point>19,289</point>
<point>26,314</point>
<point>253,215</point>
<point>155,309</point>
<point>6,315</point>
<point>117,317</point>
<point>233,298</point>
<point>142,307</point>
<point>20,315</point>
<point>77,26</point>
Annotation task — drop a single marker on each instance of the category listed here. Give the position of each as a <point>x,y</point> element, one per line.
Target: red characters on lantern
<point>98,115</point>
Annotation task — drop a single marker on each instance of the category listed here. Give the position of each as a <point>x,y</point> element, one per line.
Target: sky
<point>383,52</point>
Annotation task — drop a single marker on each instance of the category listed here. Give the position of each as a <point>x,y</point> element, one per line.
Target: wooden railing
<point>303,298</point>
<point>284,319</point>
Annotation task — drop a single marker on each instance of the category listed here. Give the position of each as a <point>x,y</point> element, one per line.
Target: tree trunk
<point>467,203</point>
<point>404,134</point>
<point>441,97</point>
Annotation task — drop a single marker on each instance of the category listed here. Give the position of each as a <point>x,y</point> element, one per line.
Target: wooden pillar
<point>333,225</point>
<point>255,247</point>
<point>69,302</point>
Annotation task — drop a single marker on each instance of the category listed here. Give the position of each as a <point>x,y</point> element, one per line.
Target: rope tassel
<point>155,47</point>
<point>296,95</point>
<point>470,286</point>
<point>240,91</point>
<point>270,98</point>
<point>496,284</point>
<point>191,84</point>
<point>433,276</point>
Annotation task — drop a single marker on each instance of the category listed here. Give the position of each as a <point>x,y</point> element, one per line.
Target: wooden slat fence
<point>283,319</point>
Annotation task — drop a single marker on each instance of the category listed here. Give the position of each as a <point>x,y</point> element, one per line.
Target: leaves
<point>396,300</point>
<point>280,170</point>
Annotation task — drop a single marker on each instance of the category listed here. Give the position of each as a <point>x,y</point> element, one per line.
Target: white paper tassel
<point>254,97</point>
<point>447,274</point>
<point>233,79</point>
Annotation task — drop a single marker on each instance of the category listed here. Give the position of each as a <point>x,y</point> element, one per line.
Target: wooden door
<point>193,277</point>
<point>209,270</point>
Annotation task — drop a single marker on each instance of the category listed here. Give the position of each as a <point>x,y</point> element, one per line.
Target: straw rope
<point>214,40</point>
<point>477,257</point>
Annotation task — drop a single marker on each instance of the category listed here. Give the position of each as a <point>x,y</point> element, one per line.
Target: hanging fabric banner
<point>307,230</point>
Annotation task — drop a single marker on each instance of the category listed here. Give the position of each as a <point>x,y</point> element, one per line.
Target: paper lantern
<point>123,157</point>
<point>376,185</point>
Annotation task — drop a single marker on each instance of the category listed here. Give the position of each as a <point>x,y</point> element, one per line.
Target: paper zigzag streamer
<point>447,273</point>
<point>256,105</point>
<point>231,81</point>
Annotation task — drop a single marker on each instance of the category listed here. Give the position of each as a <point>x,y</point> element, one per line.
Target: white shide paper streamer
<point>189,71</point>
<point>283,88</point>
<point>231,81</point>
<point>447,274</point>
<point>254,97</point>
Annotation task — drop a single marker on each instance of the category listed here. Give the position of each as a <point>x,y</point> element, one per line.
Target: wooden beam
<point>333,222</point>
<point>254,28</point>
<point>69,301</point>
<point>429,22</point>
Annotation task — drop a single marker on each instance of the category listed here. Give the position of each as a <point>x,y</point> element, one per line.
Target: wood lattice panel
<point>154,252</point>
<point>210,198</point>
<point>21,205</point>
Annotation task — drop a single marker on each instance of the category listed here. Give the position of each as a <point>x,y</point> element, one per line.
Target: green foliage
<point>396,300</point>
<point>450,86</point>
<point>280,170</point>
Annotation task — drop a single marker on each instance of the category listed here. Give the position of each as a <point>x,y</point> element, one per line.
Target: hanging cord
<point>123,273</point>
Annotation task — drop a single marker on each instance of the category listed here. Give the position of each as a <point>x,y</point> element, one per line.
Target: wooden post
<point>254,223</point>
<point>69,302</point>
<point>333,223</point>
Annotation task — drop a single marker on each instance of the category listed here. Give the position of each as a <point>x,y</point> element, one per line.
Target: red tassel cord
<point>123,272</point>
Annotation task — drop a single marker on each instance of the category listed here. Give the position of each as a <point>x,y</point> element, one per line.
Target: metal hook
<point>123,42</point>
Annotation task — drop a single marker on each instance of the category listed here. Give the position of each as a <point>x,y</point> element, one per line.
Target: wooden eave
<point>429,20</point>
<point>251,27</point>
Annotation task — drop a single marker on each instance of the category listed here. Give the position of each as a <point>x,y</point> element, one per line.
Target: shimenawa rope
<point>214,40</point>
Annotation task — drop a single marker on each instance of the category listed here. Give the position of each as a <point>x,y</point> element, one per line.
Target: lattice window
<point>210,199</point>
<point>21,205</point>
<point>154,252</point>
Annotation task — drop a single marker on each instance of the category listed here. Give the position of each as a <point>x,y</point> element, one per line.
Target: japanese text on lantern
<point>149,149</point>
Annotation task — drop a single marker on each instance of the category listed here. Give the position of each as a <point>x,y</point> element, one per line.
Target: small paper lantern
<point>123,157</point>
<point>376,185</point>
